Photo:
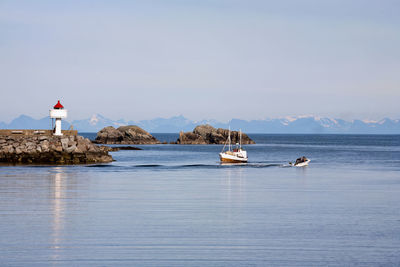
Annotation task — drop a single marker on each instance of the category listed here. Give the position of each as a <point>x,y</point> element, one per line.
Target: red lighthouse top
<point>58,105</point>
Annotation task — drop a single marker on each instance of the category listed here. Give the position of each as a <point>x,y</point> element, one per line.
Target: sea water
<point>176,205</point>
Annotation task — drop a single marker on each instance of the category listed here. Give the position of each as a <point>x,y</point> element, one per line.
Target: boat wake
<point>147,166</point>
<point>187,166</point>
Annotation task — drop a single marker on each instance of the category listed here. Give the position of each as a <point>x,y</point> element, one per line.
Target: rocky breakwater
<point>125,135</point>
<point>206,134</point>
<point>43,149</point>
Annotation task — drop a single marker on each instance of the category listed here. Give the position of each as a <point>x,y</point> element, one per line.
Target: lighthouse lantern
<point>58,112</point>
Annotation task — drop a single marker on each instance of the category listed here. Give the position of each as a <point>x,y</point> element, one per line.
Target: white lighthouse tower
<point>58,112</point>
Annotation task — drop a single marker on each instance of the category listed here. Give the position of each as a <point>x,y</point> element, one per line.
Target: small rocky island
<point>28,147</point>
<point>131,134</point>
<point>206,134</point>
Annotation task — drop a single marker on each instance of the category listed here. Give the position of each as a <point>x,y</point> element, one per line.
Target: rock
<point>70,149</point>
<point>108,148</point>
<point>51,150</point>
<point>78,150</point>
<point>190,138</point>
<point>64,143</point>
<point>203,130</point>
<point>58,148</point>
<point>109,135</point>
<point>28,144</point>
<point>81,147</point>
<point>72,143</point>
<point>118,148</point>
<point>125,135</point>
<point>126,148</point>
<point>206,134</point>
<point>45,145</point>
<point>5,149</point>
<point>93,149</point>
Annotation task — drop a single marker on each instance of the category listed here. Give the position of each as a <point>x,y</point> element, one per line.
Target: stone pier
<point>41,147</point>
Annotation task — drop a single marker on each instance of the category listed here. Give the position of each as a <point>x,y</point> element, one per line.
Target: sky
<point>206,59</point>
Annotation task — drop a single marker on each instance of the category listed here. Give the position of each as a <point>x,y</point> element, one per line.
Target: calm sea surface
<point>175,205</point>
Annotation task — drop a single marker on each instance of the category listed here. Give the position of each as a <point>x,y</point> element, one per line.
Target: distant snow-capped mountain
<point>26,122</point>
<point>95,123</point>
<point>162,125</point>
<point>292,125</point>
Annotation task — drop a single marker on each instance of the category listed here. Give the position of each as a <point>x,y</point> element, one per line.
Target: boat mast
<point>229,139</point>
<point>223,149</point>
<point>240,140</point>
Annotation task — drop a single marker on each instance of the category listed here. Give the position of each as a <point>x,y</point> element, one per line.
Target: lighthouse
<point>58,112</point>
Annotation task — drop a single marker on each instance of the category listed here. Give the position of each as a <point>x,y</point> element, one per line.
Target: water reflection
<point>233,184</point>
<point>302,171</point>
<point>58,180</point>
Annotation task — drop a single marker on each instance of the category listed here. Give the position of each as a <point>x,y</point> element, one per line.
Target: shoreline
<point>27,148</point>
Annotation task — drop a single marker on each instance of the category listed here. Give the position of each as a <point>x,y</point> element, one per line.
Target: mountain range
<point>290,125</point>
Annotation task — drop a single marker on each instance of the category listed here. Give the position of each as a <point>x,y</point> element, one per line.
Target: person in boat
<point>300,160</point>
<point>237,148</point>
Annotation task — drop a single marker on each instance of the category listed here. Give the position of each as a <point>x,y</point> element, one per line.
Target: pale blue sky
<point>204,59</point>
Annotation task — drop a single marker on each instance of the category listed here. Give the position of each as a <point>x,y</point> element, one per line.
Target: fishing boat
<point>236,155</point>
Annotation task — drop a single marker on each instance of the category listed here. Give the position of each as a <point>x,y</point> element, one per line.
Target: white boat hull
<point>302,164</point>
<point>224,157</point>
<point>238,155</point>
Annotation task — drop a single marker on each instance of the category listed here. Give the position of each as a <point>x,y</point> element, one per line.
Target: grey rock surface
<point>50,150</point>
<point>206,134</point>
<point>125,135</point>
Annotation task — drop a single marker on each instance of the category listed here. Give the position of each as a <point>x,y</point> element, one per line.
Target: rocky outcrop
<point>45,149</point>
<point>206,134</point>
<point>118,148</point>
<point>125,135</point>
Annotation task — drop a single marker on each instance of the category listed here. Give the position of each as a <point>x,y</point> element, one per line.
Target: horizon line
<point>290,118</point>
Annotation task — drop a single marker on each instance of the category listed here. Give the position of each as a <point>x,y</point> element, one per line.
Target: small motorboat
<point>237,155</point>
<point>300,162</point>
